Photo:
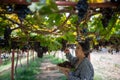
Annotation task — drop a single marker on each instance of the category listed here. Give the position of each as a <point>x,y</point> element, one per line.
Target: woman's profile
<point>83,67</point>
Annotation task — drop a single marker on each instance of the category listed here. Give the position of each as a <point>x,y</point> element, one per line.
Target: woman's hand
<point>66,51</point>
<point>66,72</point>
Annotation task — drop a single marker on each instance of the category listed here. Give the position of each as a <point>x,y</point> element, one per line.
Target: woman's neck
<point>80,59</point>
<point>82,56</point>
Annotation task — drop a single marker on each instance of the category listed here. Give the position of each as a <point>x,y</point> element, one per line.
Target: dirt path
<point>106,66</point>
<point>49,71</point>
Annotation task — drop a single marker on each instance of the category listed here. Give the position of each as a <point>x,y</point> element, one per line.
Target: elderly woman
<point>83,67</point>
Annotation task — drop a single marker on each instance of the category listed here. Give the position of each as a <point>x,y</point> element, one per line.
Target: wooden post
<point>27,57</point>
<point>20,57</point>
<point>0,58</point>
<point>12,66</point>
<point>33,54</point>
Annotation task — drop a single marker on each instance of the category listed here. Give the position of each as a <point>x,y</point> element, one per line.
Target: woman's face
<point>79,52</point>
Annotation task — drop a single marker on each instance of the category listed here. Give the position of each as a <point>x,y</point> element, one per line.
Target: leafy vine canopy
<point>51,21</point>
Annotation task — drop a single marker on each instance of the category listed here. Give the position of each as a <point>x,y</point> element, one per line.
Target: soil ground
<point>49,71</point>
<point>106,67</point>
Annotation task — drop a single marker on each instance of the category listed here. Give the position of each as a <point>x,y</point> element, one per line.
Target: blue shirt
<point>84,71</point>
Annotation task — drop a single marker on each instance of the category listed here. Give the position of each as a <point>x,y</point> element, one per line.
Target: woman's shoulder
<point>86,62</point>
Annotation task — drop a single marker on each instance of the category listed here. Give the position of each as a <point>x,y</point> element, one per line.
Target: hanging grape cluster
<point>84,31</point>
<point>7,34</point>
<point>107,15</point>
<point>64,44</point>
<point>10,8</point>
<point>22,11</point>
<point>65,64</point>
<point>115,1</point>
<point>30,45</point>
<point>82,7</point>
<point>2,42</point>
<point>40,49</point>
<point>5,41</point>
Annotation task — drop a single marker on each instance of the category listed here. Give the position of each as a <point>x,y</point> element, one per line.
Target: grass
<point>4,64</point>
<point>55,60</point>
<point>98,77</point>
<point>6,61</point>
<point>29,72</point>
<point>117,65</point>
<point>25,72</point>
<point>5,76</point>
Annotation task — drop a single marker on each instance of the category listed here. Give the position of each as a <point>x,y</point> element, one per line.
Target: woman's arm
<point>84,75</point>
<point>70,76</point>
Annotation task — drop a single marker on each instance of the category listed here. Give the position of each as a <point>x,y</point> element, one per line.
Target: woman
<point>83,67</point>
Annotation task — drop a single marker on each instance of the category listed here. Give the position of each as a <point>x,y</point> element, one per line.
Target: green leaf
<point>54,19</point>
<point>70,37</point>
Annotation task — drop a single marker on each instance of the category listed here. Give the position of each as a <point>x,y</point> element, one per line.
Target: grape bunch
<point>7,33</point>
<point>40,49</point>
<point>2,43</point>
<point>15,44</point>
<point>82,7</point>
<point>115,1</point>
<point>107,15</point>
<point>25,48</point>
<point>84,31</point>
<point>64,44</point>
<point>22,11</point>
<point>10,8</point>
<point>66,64</point>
